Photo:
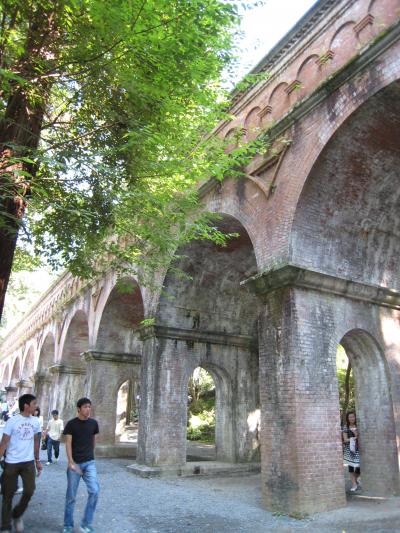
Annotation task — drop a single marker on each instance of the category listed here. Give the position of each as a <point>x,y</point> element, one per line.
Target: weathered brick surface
<point>325,198</point>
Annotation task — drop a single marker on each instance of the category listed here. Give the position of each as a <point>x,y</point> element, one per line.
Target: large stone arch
<point>121,317</point>
<point>46,357</point>
<point>28,369</point>
<point>44,379</point>
<point>347,220</point>
<point>204,317</point>
<point>15,372</point>
<point>116,356</point>
<point>70,372</point>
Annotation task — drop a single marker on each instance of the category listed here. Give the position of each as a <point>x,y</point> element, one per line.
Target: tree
<point>105,106</point>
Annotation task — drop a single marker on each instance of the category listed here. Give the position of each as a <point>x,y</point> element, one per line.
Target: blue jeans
<point>89,476</point>
<point>50,445</point>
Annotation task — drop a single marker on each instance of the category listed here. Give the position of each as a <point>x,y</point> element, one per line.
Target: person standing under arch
<point>351,453</point>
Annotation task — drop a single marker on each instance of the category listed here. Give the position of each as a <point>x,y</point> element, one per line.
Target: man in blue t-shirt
<point>80,435</point>
<point>21,439</point>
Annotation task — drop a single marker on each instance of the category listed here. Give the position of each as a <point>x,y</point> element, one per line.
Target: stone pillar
<point>11,392</point>
<point>163,402</point>
<point>43,393</point>
<point>301,452</point>
<point>106,373</point>
<point>69,386</point>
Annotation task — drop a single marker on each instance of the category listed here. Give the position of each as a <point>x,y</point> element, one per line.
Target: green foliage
<point>129,91</point>
<point>341,366</point>
<point>202,426</point>
<point>201,409</point>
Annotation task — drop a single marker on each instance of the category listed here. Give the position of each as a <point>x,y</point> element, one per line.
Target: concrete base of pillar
<point>195,468</point>
<point>127,451</point>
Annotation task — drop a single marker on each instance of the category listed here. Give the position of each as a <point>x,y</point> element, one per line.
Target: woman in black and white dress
<point>351,453</point>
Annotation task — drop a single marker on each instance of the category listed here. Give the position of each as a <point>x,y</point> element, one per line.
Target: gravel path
<point>129,504</point>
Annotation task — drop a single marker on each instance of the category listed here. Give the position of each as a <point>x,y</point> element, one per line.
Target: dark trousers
<point>10,482</point>
<point>50,445</point>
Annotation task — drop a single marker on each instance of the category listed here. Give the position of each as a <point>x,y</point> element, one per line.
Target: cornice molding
<point>303,278</point>
<point>110,357</point>
<point>192,335</point>
<point>64,369</point>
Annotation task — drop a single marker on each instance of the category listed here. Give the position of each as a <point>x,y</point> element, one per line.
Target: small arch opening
<point>127,412</point>
<point>369,395</point>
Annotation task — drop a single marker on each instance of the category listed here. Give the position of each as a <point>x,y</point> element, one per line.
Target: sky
<point>262,28</point>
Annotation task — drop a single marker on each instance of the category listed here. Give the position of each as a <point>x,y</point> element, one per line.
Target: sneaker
<point>353,489</point>
<point>86,529</point>
<point>56,459</point>
<point>68,529</point>
<point>19,490</point>
<point>18,524</point>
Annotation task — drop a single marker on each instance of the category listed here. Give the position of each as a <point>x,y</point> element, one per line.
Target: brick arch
<point>374,408</point>
<point>16,371</point>
<point>5,376</point>
<point>342,41</point>
<point>278,100</point>
<point>308,74</point>
<point>76,340</point>
<point>230,138</point>
<point>28,363</point>
<point>121,315</point>
<point>46,353</point>
<point>384,12</point>
<point>252,123</point>
<point>348,211</point>
<point>212,270</point>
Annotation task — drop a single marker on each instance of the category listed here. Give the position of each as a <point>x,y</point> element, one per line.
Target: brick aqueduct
<point>316,264</point>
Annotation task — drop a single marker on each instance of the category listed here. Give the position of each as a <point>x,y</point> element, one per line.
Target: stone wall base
<point>195,468</point>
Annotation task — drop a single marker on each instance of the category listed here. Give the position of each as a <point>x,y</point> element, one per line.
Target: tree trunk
<point>20,128</point>
<point>20,131</point>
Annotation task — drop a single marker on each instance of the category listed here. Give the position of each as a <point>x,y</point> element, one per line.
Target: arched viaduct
<point>315,265</point>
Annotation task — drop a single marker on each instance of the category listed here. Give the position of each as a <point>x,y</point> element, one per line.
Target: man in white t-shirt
<point>20,446</point>
<point>54,430</point>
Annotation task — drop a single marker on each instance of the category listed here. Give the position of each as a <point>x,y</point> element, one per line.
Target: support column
<point>106,373</point>
<point>69,386</point>
<point>43,393</point>
<point>163,402</point>
<point>301,452</point>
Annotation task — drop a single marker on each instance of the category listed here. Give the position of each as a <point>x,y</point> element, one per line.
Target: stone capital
<point>41,377</point>
<point>111,357</point>
<point>24,383</point>
<point>300,277</point>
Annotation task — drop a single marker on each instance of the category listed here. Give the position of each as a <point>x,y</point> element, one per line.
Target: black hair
<point>54,412</point>
<point>83,401</point>
<point>38,410</point>
<point>347,417</point>
<point>25,399</point>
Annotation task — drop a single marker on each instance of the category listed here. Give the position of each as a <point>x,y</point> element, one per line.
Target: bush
<point>201,426</point>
